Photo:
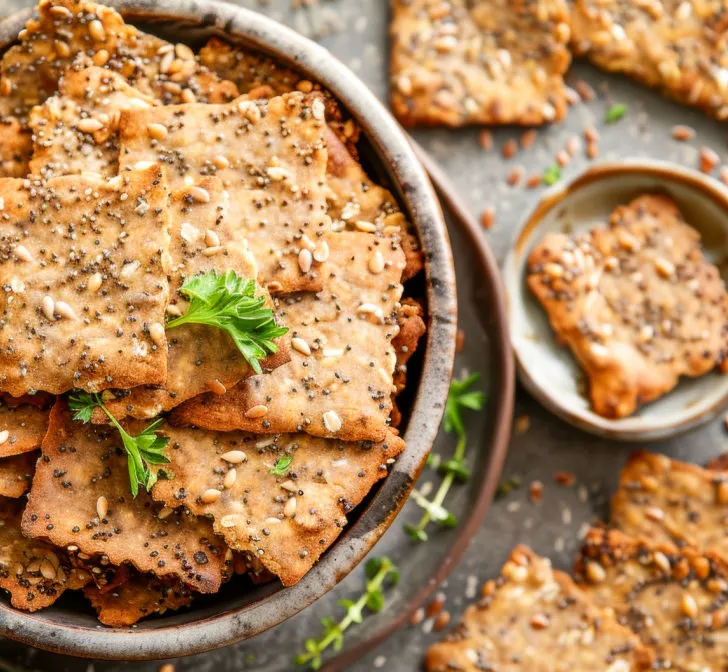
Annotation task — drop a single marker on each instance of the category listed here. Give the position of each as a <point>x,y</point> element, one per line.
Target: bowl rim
<point>553,198</point>
<point>415,191</point>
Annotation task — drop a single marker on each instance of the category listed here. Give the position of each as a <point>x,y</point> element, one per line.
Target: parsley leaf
<point>281,466</point>
<point>615,113</point>
<point>228,302</point>
<point>552,174</point>
<point>143,450</point>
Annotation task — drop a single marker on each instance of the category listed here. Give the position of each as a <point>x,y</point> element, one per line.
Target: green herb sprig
<point>378,571</point>
<point>280,468</point>
<point>552,174</point>
<point>615,113</point>
<point>461,397</point>
<point>228,302</point>
<point>142,451</point>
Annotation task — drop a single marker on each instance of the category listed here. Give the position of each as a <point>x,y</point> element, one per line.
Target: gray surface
<point>551,527</point>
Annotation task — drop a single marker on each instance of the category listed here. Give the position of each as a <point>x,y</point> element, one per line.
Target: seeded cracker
<point>534,618</point>
<point>497,62</point>
<point>674,600</point>
<point>16,147</point>
<point>674,46</point>
<point>138,597</point>
<point>637,303</point>
<point>33,572</point>
<point>21,429</point>
<point>667,501</point>
<point>83,262</point>
<point>80,496</point>
<point>286,521</point>
<point>16,473</point>
<point>339,381</point>
<point>76,130</point>
<point>271,155</point>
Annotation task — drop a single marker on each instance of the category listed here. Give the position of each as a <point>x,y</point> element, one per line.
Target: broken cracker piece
<point>673,599</point>
<point>81,496</point>
<point>534,618</point>
<point>497,62</point>
<point>271,154</point>
<point>34,573</point>
<point>16,474</point>
<point>85,263</point>
<point>16,147</point>
<point>637,303</point>
<point>667,501</point>
<point>139,596</point>
<point>21,429</point>
<point>339,381</point>
<point>676,47</point>
<point>285,521</point>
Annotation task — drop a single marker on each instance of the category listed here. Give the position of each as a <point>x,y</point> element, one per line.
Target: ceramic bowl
<point>549,371</point>
<point>239,612</point>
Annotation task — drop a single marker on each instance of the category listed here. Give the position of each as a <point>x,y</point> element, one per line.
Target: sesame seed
<point>234,456</point>
<point>210,496</point>
<point>301,345</point>
<point>102,507</point>
<point>230,478</point>
<point>332,421</point>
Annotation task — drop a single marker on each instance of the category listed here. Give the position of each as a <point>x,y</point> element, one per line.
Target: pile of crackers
<point>458,62</point>
<point>650,589</point>
<point>129,164</point>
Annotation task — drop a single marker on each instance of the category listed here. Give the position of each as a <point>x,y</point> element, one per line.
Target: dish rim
<point>407,176</point>
<point>707,187</point>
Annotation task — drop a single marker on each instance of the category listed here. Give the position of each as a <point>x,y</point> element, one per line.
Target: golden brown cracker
<point>85,263</point>
<point>16,474</point>
<point>16,148</point>
<point>22,429</point>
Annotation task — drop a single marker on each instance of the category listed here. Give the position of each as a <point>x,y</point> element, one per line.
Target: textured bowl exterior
<point>207,627</point>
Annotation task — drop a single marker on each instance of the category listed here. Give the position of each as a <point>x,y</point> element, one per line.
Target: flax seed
<point>709,159</point>
<point>510,149</point>
<point>683,133</point>
<point>257,411</point>
<point>487,218</point>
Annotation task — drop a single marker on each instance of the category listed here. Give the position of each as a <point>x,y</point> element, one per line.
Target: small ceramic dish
<point>549,371</point>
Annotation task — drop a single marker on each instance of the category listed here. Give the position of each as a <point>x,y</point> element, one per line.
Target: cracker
<point>34,573</point>
<point>76,130</point>
<point>141,595</point>
<point>16,147</point>
<point>16,473</point>
<point>271,154</point>
<point>25,426</point>
<point>286,522</point>
<point>667,501</point>
<point>411,329</point>
<point>60,328</point>
<point>637,303</point>
<point>81,497</point>
<point>534,618</point>
<point>198,356</point>
<point>673,599</point>
<point>720,462</point>
<point>498,62</point>
<point>339,381</point>
<point>672,46</point>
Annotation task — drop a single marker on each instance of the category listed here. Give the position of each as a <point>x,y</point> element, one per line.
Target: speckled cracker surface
<point>81,496</point>
<point>141,595</point>
<point>16,474</point>
<point>674,600</point>
<point>674,46</point>
<point>34,573</point>
<point>533,618</point>
<point>497,62</point>
<point>339,381</point>
<point>271,154</point>
<point>286,521</point>
<point>667,501</point>
<point>83,261</point>
<point>636,301</point>
<point>76,130</point>
<point>16,147</point>
<point>202,239</point>
<point>21,429</point>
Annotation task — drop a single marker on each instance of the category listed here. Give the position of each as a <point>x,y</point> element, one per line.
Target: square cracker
<point>76,130</point>
<point>22,428</point>
<point>34,573</point>
<point>675,600</point>
<point>636,302</point>
<point>202,239</point>
<point>534,618</point>
<point>286,522</point>
<point>271,154</point>
<point>339,381</point>
<point>84,263</point>
<point>497,62</point>
<point>81,496</point>
<point>677,47</point>
<point>672,502</point>
<point>16,474</point>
